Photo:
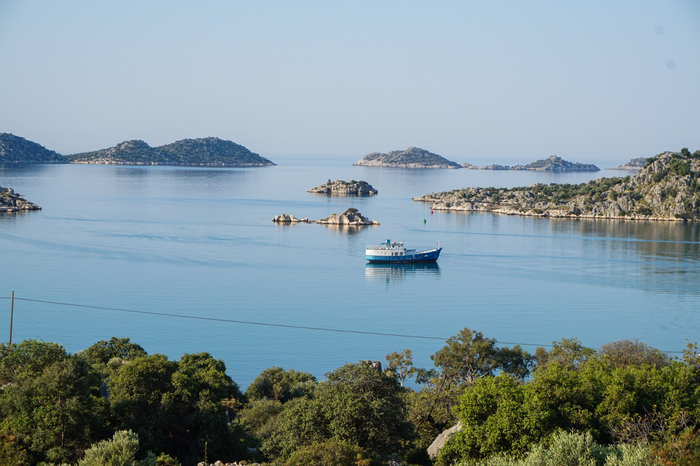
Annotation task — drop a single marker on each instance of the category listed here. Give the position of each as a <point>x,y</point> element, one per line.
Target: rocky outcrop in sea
<point>667,188</point>
<point>350,218</point>
<point>550,164</point>
<point>12,202</point>
<point>345,188</point>
<point>413,157</point>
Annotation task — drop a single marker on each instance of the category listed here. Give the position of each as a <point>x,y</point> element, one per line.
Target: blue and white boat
<point>395,253</point>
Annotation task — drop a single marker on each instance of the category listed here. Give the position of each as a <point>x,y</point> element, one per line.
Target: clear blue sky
<point>470,80</point>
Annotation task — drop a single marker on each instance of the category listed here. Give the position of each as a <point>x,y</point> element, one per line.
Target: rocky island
<point>16,149</point>
<point>413,157</point>
<point>12,202</point>
<point>550,164</point>
<point>633,165</point>
<point>667,188</point>
<point>208,152</point>
<point>345,188</point>
<point>350,218</point>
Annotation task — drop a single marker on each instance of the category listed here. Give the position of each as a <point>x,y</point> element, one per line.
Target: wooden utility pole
<point>12,309</point>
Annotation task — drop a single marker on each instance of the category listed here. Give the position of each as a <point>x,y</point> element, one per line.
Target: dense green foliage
<point>627,391</point>
<point>574,449</point>
<point>626,403</point>
<point>281,385</point>
<point>356,404</point>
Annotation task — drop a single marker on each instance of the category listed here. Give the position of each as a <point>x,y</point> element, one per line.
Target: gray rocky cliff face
<point>12,202</point>
<point>666,189</point>
<point>345,188</point>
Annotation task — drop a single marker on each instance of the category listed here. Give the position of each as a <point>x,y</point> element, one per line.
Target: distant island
<point>667,188</point>
<point>349,218</point>
<point>344,188</point>
<point>12,202</point>
<point>16,149</point>
<point>413,157</point>
<point>633,165</point>
<point>551,164</point>
<point>209,152</point>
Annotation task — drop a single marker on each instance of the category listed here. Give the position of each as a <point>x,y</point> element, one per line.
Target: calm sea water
<point>200,242</point>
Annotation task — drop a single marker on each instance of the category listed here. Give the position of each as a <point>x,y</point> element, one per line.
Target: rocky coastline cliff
<point>413,157</point>
<point>13,202</point>
<point>667,188</point>
<point>344,188</point>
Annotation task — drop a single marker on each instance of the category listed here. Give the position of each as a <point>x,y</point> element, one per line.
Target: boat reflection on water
<point>399,272</point>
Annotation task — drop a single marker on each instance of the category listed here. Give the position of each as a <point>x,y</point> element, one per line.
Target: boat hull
<point>422,256</point>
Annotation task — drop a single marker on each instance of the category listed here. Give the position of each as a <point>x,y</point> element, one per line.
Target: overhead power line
<point>265,324</point>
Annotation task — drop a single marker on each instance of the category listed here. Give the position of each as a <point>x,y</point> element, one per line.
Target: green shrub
<point>119,451</point>
<point>332,452</point>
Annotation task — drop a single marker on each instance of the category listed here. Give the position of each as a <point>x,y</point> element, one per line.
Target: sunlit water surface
<point>200,242</point>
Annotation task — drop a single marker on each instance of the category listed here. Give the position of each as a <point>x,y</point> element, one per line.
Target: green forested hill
<point>667,188</point>
<point>201,151</point>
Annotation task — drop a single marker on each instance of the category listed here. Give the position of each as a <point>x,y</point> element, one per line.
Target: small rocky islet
<point>349,218</point>
<point>666,188</point>
<point>13,202</point>
<point>344,188</point>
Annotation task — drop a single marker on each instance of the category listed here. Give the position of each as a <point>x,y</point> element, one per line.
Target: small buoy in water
<point>431,212</point>
<point>423,220</point>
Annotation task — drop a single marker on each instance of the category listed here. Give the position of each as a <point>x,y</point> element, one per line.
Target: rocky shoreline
<point>350,218</point>
<point>666,189</point>
<point>12,202</point>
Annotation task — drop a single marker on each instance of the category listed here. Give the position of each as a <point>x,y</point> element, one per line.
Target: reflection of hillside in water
<point>347,229</point>
<point>399,272</point>
<point>652,240</point>
<point>659,256</point>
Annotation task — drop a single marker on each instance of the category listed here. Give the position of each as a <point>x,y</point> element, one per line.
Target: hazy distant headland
<point>413,157</point>
<point>210,152</point>
<point>633,165</point>
<point>667,188</point>
<point>16,149</point>
<point>550,164</point>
